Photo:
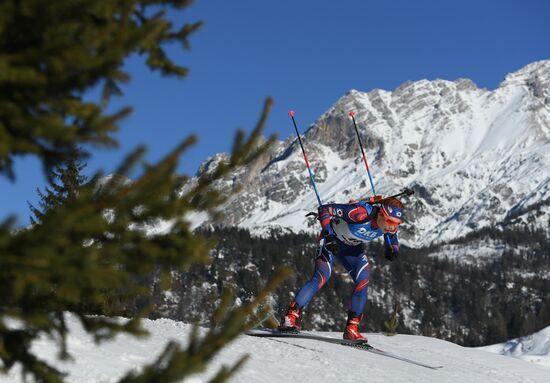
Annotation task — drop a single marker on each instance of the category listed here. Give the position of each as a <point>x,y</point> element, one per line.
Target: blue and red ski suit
<point>348,226</point>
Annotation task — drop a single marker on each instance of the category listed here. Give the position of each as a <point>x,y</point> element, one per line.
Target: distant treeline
<point>499,299</point>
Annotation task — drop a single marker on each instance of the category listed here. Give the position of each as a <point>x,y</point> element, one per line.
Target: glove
<point>331,243</point>
<point>391,252</point>
<point>324,215</point>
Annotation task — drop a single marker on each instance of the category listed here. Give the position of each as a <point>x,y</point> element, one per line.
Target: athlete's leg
<point>360,275</point>
<point>357,264</point>
<point>321,274</point>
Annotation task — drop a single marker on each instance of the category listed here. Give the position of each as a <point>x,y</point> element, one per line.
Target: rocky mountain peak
<point>475,158</point>
<point>535,76</point>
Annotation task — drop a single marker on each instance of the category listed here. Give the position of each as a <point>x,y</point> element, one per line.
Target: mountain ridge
<point>474,157</point>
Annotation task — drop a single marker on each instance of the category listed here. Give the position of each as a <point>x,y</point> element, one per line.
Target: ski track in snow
<point>302,360</point>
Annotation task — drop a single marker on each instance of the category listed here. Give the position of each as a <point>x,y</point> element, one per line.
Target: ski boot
<point>352,332</point>
<point>291,319</point>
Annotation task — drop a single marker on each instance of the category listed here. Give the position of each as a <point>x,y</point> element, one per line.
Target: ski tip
<point>352,114</point>
<point>291,113</point>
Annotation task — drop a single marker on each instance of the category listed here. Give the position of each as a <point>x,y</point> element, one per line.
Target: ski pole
<point>352,114</point>
<point>406,191</point>
<point>373,199</point>
<point>291,114</point>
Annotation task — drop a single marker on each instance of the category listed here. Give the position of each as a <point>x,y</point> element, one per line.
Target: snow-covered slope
<point>534,348</point>
<point>293,359</point>
<point>475,158</point>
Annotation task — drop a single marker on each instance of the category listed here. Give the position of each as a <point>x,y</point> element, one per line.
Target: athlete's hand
<point>331,243</point>
<point>329,237</point>
<point>391,253</point>
<point>324,214</point>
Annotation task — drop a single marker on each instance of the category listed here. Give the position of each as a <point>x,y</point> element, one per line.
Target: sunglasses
<point>391,220</point>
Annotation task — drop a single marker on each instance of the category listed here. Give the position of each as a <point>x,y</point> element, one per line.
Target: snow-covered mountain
<point>534,348</point>
<point>474,157</point>
<point>280,360</point>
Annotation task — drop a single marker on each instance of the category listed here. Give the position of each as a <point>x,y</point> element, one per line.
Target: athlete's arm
<point>352,213</point>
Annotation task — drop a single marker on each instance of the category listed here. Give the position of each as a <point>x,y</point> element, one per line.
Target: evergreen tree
<point>51,53</point>
<point>391,325</point>
<point>64,182</point>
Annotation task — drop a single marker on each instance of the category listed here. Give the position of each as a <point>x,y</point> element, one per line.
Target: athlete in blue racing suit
<point>345,228</point>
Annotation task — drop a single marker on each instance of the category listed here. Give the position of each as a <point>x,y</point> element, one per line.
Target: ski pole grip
<point>375,199</point>
<point>408,192</point>
<point>291,113</point>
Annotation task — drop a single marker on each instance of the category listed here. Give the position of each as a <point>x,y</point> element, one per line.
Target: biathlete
<point>345,227</point>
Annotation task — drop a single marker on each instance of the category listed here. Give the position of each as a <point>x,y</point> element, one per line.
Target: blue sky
<point>305,54</point>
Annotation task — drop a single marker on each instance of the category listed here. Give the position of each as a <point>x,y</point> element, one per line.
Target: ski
<point>268,333</point>
<point>399,357</point>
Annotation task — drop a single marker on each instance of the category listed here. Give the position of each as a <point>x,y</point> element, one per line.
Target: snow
<point>278,360</point>
<point>534,348</point>
<point>196,218</point>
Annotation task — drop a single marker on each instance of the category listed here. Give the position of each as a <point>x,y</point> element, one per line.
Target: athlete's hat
<point>392,213</point>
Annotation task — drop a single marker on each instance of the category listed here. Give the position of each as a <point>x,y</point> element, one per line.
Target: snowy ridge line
<point>534,348</point>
